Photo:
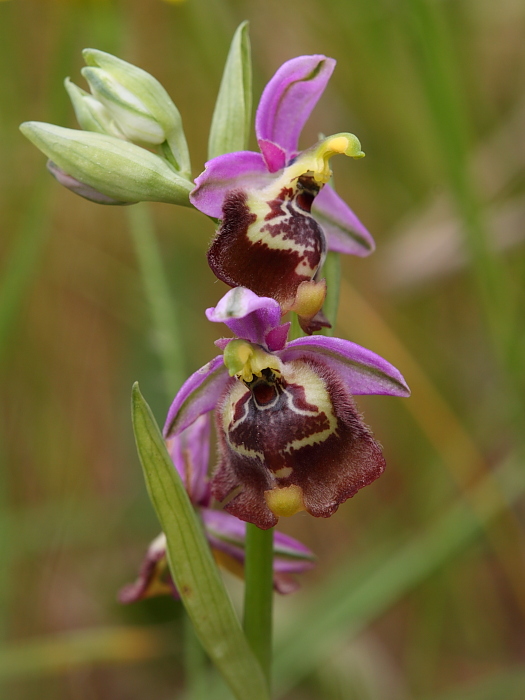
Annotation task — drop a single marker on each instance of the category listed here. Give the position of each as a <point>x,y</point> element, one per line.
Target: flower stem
<point>258,597</point>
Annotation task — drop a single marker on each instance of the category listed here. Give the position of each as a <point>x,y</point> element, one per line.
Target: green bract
<point>115,168</point>
<point>231,123</point>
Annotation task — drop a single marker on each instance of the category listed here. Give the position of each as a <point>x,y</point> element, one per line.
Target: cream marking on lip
<point>303,268</point>
<point>283,472</point>
<point>256,232</point>
<point>267,406</point>
<point>228,424</point>
<point>316,394</point>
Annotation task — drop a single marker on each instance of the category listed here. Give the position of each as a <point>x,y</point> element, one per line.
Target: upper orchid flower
<point>226,534</point>
<point>273,235</point>
<point>290,436</point>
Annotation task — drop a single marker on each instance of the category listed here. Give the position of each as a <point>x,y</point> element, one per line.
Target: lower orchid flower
<point>226,534</point>
<point>290,435</point>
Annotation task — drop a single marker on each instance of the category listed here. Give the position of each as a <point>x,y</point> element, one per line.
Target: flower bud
<point>71,183</point>
<point>132,115</point>
<point>114,168</point>
<point>90,113</point>
<point>138,103</point>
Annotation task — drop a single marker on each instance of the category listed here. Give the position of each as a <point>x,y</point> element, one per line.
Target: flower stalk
<point>332,274</point>
<point>258,595</point>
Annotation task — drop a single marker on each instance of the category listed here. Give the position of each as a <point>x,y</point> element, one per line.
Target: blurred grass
<point>424,570</point>
<point>68,650</point>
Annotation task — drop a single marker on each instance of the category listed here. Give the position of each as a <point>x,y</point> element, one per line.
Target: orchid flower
<point>190,451</point>
<point>290,436</point>
<point>277,216</point>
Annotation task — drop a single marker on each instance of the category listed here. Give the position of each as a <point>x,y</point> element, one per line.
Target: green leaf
<point>191,563</point>
<point>231,123</point>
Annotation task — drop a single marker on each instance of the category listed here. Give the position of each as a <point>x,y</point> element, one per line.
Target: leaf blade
<point>191,563</point>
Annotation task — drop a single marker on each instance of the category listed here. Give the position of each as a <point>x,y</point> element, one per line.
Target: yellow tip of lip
<point>285,501</point>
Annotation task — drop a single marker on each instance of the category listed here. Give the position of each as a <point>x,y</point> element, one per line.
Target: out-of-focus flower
<point>275,210</point>
<point>290,436</point>
<point>226,534</point>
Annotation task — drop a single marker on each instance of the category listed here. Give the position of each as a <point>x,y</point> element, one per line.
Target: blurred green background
<point>419,590</point>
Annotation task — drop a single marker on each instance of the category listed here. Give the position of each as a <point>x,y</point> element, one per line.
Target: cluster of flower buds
<point>132,146</point>
<point>290,437</point>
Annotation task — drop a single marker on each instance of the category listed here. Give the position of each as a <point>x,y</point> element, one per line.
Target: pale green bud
<point>140,106</point>
<point>74,185</point>
<point>111,167</point>
<point>90,113</point>
<point>130,113</point>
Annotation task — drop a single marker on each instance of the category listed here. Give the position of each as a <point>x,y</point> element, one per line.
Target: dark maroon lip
<point>271,266</point>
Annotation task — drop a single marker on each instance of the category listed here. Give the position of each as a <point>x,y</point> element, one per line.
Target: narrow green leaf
<point>191,563</point>
<point>230,126</point>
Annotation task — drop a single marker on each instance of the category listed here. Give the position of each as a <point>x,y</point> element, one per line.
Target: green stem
<point>258,596</point>
<point>22,263</point>
<point>295,329</point>
<point>162,308</point>
<point>332,274</point>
